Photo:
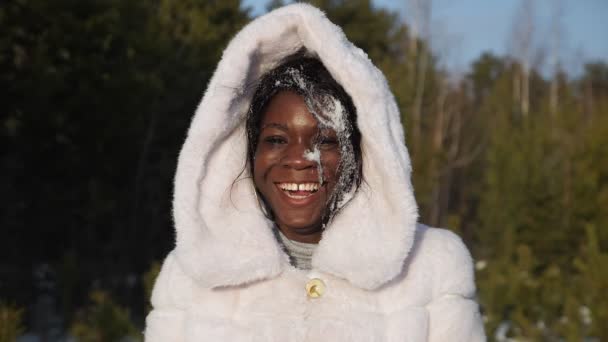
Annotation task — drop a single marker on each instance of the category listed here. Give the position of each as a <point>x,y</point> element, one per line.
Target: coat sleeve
<point>453,312</point>
<point>169,301</point>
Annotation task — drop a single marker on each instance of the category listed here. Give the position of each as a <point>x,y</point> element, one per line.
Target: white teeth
<point>299,187</point>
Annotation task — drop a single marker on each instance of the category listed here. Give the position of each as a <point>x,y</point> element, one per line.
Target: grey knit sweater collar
<point>300,253</point>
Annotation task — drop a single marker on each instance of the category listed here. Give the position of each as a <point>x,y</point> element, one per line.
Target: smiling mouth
<point>299,190</point>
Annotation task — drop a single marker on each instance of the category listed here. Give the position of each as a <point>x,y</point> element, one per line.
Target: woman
<point>316,237</point>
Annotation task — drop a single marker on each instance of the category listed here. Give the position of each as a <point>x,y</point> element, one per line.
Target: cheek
<point>330,161</point>
<point>262,164</point>
<point>259,166</point>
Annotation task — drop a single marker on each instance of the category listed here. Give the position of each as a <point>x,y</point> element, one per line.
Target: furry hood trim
<point>223,239</point>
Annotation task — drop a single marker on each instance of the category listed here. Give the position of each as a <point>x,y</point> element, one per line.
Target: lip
<point>312,180</point>
<point>299,202</point>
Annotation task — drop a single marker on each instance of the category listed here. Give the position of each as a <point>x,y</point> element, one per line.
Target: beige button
<point>315,288</point>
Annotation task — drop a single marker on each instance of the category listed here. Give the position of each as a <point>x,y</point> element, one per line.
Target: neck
<point>305,235</point>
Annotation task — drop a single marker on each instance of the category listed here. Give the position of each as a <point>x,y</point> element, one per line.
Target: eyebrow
<point>276,125</point>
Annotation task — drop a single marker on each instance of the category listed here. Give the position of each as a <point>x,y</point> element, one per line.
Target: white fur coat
<point>386,277</point>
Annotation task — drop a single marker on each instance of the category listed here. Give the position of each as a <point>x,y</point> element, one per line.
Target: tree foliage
<point>11,322</point>
<point>103,320</point>
<point>97,97</point>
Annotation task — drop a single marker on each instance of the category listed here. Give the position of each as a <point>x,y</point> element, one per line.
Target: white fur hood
<point>223,239</point>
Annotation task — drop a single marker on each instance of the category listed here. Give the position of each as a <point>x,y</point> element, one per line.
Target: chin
<point>301,223</point>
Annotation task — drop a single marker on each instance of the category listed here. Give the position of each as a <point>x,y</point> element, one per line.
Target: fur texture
<point>388,279</point>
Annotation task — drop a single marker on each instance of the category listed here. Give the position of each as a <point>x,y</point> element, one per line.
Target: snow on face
<point>315,155</point>
<point>334,117</point>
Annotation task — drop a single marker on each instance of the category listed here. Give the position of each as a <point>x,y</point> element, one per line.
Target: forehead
<point>288,108</point>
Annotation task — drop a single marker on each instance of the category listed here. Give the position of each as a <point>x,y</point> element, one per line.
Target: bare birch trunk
<point>421,21</point>
<point>516,86</point>
<point>438,138</point>
<point>523,29</point>
<point>525,91</point>
<point>556,31</point>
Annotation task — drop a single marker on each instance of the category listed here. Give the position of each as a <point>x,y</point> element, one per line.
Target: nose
<point>295,157</point>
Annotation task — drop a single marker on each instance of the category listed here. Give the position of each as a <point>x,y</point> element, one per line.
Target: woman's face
<point>285,170</point>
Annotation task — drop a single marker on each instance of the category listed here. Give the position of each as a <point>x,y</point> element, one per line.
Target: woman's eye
<point>328,141</point>
<point>275,140</point>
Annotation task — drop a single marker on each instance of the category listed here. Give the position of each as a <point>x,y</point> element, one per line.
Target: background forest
<point>97,96</point>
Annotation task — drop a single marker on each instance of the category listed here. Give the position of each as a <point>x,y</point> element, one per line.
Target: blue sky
<point>463,29</point>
